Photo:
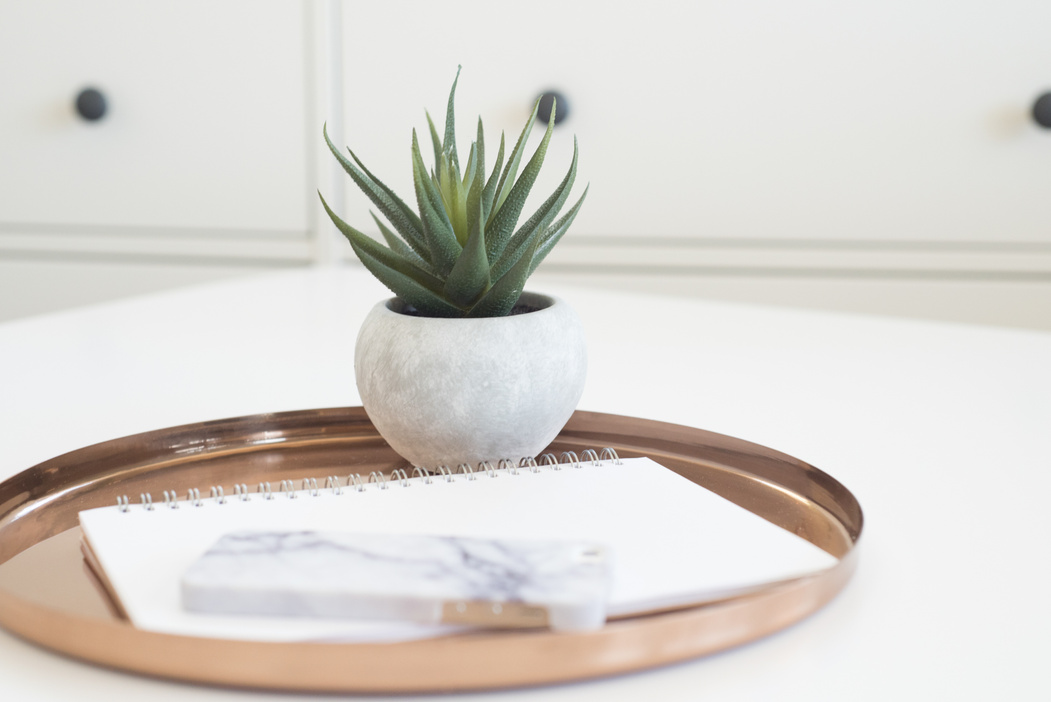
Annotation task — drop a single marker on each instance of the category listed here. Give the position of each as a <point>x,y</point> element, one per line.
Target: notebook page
<point>673,542</point>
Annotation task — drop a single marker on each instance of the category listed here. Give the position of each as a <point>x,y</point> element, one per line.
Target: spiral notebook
<point>674,543</point>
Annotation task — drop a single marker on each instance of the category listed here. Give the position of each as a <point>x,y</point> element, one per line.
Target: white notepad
<point>673,542</point>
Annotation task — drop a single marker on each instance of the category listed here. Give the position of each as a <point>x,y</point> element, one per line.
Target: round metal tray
<point>48,596</point>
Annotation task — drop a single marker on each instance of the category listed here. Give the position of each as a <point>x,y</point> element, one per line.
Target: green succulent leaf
<point>475,183</point>
<point>489,192</point>
<point>405,280</point>
<point>440,178</point>
<point>554,234</point>
<point>514,252</point>
<point>398,246</point>
<point>456,205</point>
<point>469,278</point>
<point>500,226</point>
<point>503,189</point>
<point>437,229</point>
<point>449,144</point>
<point>404,220</point>
<point>469,171</point>
<point>436,141</point>
<point>504,293</point>
<point>539,221</point>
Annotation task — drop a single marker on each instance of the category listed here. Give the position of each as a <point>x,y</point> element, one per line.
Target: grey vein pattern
<point>389,576</point>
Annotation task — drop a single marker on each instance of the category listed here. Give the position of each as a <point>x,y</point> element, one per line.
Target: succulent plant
<point>461,255</point>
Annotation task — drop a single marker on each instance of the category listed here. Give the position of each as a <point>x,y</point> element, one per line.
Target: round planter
<point>452,391</point>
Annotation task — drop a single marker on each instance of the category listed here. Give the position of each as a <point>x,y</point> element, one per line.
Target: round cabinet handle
<point>547,99</point>
<point>91,104</point>
<point>1042,111</point>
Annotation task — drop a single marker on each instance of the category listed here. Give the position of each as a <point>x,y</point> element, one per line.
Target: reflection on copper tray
<point>47,596</point>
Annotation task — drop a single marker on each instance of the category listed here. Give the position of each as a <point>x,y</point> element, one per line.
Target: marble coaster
<point>419,578</point>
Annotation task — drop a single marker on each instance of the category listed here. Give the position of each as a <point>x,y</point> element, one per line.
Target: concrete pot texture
<point>461,391</point>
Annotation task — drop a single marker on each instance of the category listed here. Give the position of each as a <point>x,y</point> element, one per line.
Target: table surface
<point>942,431</point>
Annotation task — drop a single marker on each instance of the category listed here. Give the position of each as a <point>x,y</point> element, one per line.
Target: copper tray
<point>48,597</point>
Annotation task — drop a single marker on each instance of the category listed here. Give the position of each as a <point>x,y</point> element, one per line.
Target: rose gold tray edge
<point>42,502</point>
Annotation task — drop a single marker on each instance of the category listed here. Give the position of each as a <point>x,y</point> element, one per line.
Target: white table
<point>942,432</point>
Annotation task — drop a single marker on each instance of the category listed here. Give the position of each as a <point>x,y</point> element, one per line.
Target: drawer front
<point>811,120</point>
<point>205,121</point>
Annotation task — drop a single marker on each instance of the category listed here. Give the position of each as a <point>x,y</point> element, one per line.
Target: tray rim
<point>499,660</point>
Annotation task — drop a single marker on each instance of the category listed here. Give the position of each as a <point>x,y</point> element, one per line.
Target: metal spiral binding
<point>356,483</point>
<point>355,479</point>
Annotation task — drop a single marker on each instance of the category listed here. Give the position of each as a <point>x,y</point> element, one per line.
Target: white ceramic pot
<point>452,391</point>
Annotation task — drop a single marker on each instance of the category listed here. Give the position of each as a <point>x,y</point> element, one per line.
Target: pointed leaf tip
<point>449,143</point>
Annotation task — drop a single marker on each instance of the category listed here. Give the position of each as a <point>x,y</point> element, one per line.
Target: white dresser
<point>877,158</point>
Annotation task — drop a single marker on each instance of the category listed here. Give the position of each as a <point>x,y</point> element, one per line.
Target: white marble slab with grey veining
<point>397,577</point>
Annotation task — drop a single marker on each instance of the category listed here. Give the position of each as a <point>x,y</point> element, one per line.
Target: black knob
<point>547,100</point>
<point>91,104</point>
<point>1042,110</point>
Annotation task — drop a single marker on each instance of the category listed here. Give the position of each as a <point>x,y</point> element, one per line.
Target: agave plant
<point>461,255</point>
